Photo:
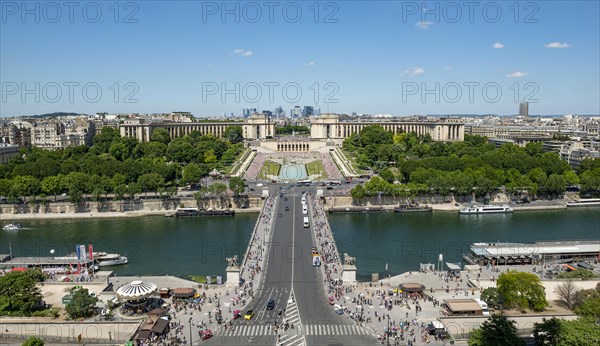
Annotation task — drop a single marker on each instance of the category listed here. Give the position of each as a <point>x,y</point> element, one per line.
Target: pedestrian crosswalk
<point>292,336</point>
<point>248,330</point>
<point>298,331</point>
<point>334,329</point>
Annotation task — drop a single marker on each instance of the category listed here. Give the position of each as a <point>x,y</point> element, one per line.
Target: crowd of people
<point>329,253</point>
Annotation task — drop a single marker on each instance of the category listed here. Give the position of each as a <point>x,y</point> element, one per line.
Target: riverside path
<point>301,314</point>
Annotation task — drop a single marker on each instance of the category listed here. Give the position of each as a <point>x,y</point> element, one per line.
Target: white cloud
<point>242,52</point>
<point>310,64</point>
<point>413,71</point>
<point>516,74</point>
<point>557,45</point>
<point>498,45</point>
<point>447,67</point>
<point>423,24</point>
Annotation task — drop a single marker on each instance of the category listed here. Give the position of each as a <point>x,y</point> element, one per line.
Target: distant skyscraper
<point>307,111</point>
<point>279,113</point>
<point>524,109</point>
<point>296,112</point>
<point>317,111</point>
<point>246,112</point>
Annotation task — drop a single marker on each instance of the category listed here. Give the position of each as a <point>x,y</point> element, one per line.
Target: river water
<point>198,246</point>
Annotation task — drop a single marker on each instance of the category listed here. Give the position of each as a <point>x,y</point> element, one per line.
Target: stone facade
<point>329,126</point>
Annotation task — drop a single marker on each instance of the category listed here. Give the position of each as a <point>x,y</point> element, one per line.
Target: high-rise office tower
<point>524,109</point>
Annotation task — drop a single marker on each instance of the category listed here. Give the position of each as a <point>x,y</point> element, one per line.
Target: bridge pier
<point>349,274</point>
<point>233,277</point>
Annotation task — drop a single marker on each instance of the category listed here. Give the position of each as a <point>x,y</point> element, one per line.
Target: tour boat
<point>12,227</point>
<point>486,209</point>
<point>584,202</point>
<point>104,260</point>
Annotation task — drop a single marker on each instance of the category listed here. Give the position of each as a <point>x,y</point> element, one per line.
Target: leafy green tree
<point>18,292</point>
<point>590,182</point>
<point>52,185</point>
<point>210,157</point>
<point>118,151</point>
<point>490,296</point>
<point>25,186</point>
<point>581,332</point>
<point>217,188</point>
<point>358,193</point>
<point>571,179</point>
<point>160,135</point>
<point>522,290</point>
<point>476,338</point>
<point>236,184</point>
<point>180,150</point>
<point>555,185</point>
<point>77,182</point>
<point>375,134</point>
<point>191,174</point>
<point>5,185</point>
<point>149,150</point>
<point>496,331</point>
<point>387,175</point>
<point>234,134</point>
<point>548,332</point>
<point>150,182</point>
<point>33,341</point>
<point>587,302</point>
<point>580,273</point>
<point>81,305</point>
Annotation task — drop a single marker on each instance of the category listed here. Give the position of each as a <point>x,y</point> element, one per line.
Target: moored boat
<point>584,202</point>
<point>486,209</point>
<point>104,259</point>
<point>13,227</point>
<point>182,212</point>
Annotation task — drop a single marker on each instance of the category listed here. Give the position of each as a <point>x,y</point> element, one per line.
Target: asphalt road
<point>296,286</point>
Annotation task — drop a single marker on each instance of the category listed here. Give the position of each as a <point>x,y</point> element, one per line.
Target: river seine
<point>198,246</point>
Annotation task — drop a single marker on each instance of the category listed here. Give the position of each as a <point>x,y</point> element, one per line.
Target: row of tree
<point>119,165</point>
<point>473,166</point>
<point>289,129</point>
<point>523,290</point>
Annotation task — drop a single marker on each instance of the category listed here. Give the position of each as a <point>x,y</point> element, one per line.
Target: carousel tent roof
<point>184,292</point>
<point>136,290</point>
<point>412,287</point>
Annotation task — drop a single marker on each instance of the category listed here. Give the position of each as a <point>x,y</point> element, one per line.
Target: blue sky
<point>374,57</point>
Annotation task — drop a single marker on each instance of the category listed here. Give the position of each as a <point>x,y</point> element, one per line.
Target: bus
<point>306,223</point>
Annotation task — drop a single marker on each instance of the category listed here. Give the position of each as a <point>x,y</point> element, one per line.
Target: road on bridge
<point>297,289</point>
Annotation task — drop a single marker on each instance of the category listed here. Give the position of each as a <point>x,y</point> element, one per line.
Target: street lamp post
<point>190,320</point>
<point>387,337</point>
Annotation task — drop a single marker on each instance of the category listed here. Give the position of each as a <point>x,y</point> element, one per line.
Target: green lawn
<point>269,169</point>
<point>316,168</point>
<point>352,158</point>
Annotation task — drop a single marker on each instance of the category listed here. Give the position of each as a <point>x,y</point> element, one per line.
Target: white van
<point>484,307</point>
<point>306,223</point>
<point>304,211</point>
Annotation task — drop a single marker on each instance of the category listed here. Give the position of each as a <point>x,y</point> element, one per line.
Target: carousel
<point>412,288</point>
<point>137,295</point>
<point>183,293</point>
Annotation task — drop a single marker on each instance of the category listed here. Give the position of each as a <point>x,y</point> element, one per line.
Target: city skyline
<point>404,58</point>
